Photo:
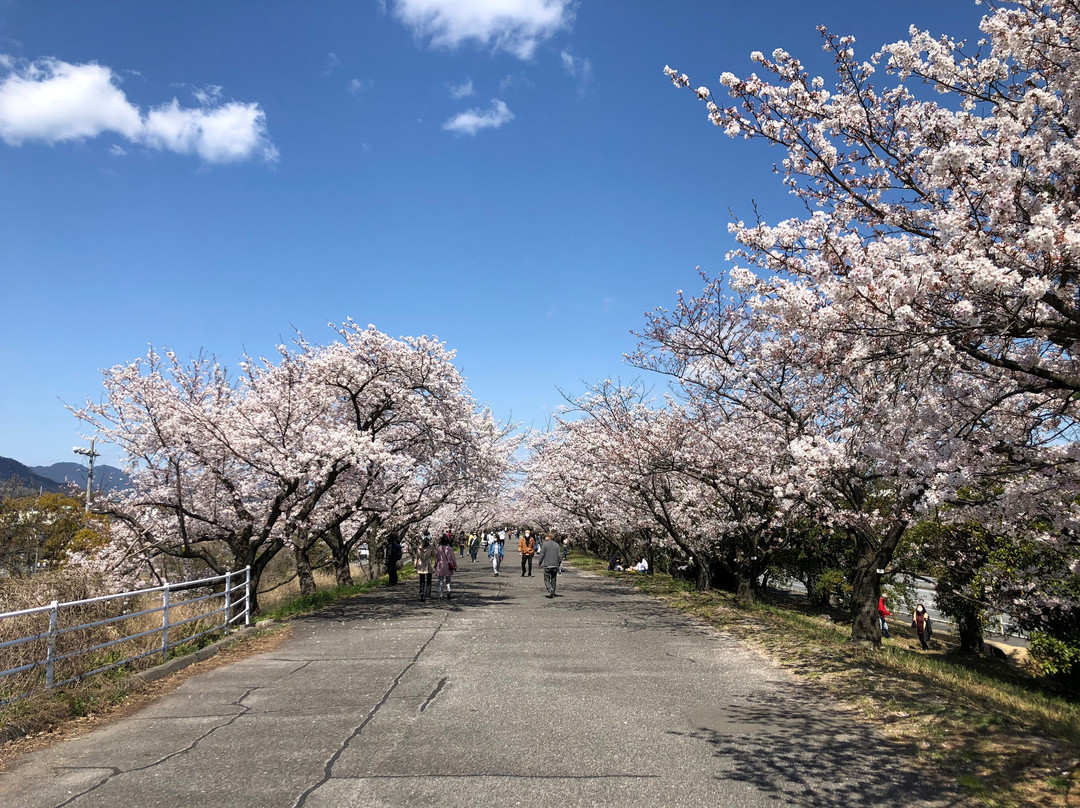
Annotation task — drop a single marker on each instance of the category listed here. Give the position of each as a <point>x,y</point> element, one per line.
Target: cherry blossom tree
<point>325,442</point>
<point>940,248</point>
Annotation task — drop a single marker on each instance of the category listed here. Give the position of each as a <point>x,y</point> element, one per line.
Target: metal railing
<point>233,590</point>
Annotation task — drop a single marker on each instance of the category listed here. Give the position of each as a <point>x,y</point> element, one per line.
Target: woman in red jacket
<point>883,612</point>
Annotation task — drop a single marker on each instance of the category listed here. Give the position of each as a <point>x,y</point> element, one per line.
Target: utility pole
<point>90,453</point>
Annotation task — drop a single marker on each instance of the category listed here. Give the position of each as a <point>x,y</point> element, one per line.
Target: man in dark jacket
<point>393,556</point>
<point>550,559</point>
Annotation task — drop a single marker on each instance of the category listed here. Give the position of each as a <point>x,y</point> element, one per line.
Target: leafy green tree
<point>43,530</point>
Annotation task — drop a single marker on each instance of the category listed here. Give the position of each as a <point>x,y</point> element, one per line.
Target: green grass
<point>978,722</point>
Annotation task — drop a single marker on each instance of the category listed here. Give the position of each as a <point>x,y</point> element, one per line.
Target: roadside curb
<point>179,663</point>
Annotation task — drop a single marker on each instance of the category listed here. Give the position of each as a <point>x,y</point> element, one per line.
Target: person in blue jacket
<point>495,553</point>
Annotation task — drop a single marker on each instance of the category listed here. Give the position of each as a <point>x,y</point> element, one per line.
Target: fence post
<point>53,611</point>
<point>247,596</point>
<point>165,623</point>
<point>228,601</point>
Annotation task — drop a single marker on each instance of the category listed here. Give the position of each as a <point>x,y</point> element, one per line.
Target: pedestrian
<point>445,565</point>
<point>565,548</point>
<point>474,546</point>
<point>883,612</point>
<point>526,549</point>
<point>392,555</point>
<point>920,621</point>
<point>550,560</point>
<point>495,553</point>
<point>425,556</point>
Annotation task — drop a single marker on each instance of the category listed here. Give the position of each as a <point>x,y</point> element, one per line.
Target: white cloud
<point>54,101</point>
<point>225,134</point>
<point>577,68</point>
<point>208,95</point>
<point>462,90</point>
<point>117,150</point>
<point>332,63</point>
<point>358,86</point>
<point>472,121</point>
<point>514,26</point>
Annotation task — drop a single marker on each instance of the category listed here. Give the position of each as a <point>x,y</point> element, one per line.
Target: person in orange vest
<point>526,549</point>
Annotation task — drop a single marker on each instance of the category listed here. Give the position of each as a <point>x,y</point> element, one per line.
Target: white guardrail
<point>234,589</point>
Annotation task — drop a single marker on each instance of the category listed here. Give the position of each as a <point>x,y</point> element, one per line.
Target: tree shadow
<point>403,600</point>
<point>801,754</point>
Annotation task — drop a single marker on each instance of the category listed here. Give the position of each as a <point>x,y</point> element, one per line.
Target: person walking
<point>425,558</point>
<point>883,612</point>
<point>474,546</point>
<point>495,553</point>
<point>393,558</point>
<point>445,566</point>
<point>526,549</point>
<point>920,621</point>
<point>550,559</point>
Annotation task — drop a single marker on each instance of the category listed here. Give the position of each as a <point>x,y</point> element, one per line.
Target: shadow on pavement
<point>801,756</point>
<point>402,601</point>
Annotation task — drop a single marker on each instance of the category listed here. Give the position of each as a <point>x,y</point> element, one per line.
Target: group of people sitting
<point>615,565</point>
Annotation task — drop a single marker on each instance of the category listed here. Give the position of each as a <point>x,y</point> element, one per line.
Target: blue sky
<point>523,184</point>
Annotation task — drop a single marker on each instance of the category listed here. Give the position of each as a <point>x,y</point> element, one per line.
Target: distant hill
<point>106,478</point>
<point>25,479</point>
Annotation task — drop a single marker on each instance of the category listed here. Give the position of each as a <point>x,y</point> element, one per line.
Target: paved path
<point>499,697</point>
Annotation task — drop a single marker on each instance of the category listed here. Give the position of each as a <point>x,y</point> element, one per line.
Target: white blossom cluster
<point>908,348</point>
<point>341,443</point>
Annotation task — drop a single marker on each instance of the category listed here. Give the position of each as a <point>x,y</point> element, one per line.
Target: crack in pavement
<point>118,772</point>
<point>328,770</point>
<point>434,693</point>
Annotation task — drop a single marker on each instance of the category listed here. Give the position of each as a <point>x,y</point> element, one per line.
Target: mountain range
<point>60,476</point>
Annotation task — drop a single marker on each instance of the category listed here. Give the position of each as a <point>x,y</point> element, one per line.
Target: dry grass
<point>98,701</point>
<point>17,594</point>
<point>980,722</point>
<point>275,593</point>
<point>50,716</point>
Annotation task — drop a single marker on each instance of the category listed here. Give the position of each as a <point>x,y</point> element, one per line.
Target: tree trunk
<point>871,556</point>
<point>865,591</point>
<point>702,574</point>
<point>970,630</point>
<point>250,556</point>
<point>339,551</point>
<point>343,571</point>
<point>744,586</point>
<point>303,571</point>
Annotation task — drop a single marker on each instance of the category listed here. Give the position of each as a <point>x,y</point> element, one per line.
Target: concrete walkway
<point>498,697</point>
